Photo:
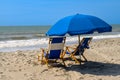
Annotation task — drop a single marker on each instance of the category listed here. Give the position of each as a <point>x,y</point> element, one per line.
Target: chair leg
<point>38,57</point>
<point>73,57</point>
<point>63,54</point>
<point>46,61</point>
<point>84,58</point>
<point>40,60</point>
<point>80,59</point>
<point>63,62</point>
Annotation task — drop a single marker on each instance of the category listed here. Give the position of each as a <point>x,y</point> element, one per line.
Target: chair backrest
<point>83,45</point>
<point>56,47</point>
<point>85,42</point>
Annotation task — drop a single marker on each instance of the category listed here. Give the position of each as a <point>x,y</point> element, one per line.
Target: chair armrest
<point>70,47</point>
<point>44,50</point>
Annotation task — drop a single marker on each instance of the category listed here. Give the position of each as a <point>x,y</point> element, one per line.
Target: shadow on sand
<point>96,68</point>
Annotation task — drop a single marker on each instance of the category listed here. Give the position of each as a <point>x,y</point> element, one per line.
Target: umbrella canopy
<point>78,24</point>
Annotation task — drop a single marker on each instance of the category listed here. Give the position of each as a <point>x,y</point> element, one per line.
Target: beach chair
<point>55,50</point>
<point>79,50</point>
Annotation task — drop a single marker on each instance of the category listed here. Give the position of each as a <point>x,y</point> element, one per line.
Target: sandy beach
<point>103,64</point>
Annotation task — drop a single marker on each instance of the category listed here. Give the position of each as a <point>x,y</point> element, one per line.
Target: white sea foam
<point>13,45</point>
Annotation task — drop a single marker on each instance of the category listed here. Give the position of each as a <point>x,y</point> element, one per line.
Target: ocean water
<point>13,38</point>
<point>22,32</point>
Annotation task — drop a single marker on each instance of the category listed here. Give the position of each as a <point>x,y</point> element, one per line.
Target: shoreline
<point>103,64</point>
<point>35,44</point>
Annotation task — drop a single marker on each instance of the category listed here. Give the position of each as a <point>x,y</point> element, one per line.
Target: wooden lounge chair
<point>55,50</point>
<point>79,50</point>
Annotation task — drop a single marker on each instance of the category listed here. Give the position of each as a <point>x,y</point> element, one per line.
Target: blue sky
<point>47,12</point>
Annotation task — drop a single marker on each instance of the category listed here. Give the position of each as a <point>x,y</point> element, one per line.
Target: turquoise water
<point>32,32</point>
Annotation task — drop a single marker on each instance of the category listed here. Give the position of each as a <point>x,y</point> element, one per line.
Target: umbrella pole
<point>79,49</point>
<point>79,39</point>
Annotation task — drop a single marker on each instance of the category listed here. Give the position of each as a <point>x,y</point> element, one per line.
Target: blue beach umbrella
<point>78,24</point>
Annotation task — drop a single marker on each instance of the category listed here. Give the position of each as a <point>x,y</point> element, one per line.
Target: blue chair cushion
<point>54,54</point>
<point>56,40</point>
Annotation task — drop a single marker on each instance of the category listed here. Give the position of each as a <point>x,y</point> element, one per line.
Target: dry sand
<point>103,64</point>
